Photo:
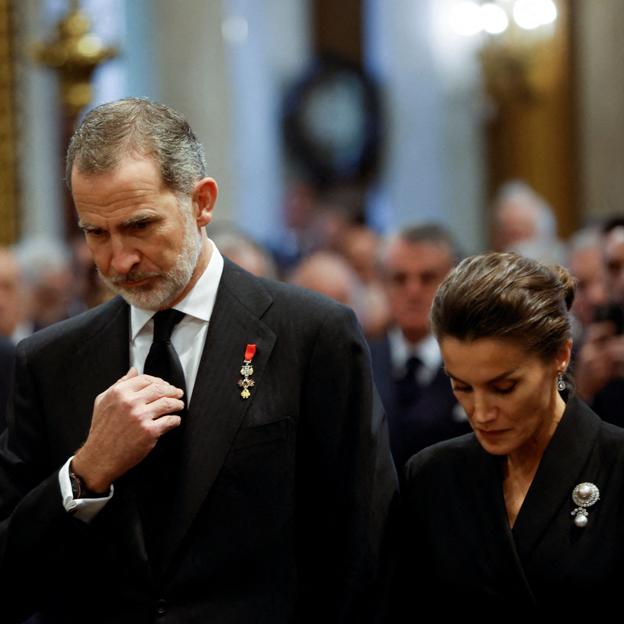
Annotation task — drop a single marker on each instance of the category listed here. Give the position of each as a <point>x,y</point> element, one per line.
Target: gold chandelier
<point>515,41</point>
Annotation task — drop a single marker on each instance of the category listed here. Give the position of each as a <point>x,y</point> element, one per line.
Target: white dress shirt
<point>427,351</point>
<point>188,339</point>
<point>189,335</point>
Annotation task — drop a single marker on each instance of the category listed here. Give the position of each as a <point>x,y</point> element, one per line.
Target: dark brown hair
<point>141,127</point>
<point>505,295</point>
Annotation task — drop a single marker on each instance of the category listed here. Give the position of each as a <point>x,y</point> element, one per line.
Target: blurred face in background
<point>51,296</point>
<point>614,261</point>
<point>11,293</point>
<point>587,266</point>
<point>360,248</point>
<point>515,221</point>
<point>412,273</point>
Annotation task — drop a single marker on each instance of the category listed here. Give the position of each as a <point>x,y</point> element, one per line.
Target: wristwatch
<point>79,487</point>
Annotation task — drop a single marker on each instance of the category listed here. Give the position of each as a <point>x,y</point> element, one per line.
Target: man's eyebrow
<point>87,227</point>
<point>143,218</point>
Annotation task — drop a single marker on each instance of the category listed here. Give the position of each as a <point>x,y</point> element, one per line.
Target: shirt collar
<point>427,351</point>
<point>198,303</point>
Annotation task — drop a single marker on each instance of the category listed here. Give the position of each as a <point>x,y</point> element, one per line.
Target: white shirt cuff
<point>84,509</point>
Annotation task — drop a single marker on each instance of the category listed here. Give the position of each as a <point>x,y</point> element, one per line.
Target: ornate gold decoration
<point>8,184</point>
<point>519,66</point>
<point>515,41</point>
<point>75,54</point>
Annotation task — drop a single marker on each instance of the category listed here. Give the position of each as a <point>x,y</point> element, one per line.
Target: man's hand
<point>128,419</point>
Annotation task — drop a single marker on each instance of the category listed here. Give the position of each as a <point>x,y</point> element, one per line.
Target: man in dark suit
<point>599,357</point>
<point>7,356</point>
<point>407,363</point>
<point>250,480</point>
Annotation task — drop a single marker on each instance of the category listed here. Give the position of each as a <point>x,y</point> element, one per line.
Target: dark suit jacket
<point>608,402</point>
<point>461,551</point>
<point>282,501</point>
<point>430,419</point>
<point>7,357</point>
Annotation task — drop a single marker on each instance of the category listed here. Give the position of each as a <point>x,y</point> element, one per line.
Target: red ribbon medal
<point>247,371</point>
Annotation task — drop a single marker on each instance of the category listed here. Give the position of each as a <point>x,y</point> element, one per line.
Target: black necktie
<point>408,388</point>
<point>162,360</point>
<point>156,473</point>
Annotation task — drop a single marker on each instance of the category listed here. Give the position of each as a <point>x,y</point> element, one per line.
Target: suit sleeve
<point>36,533</point>
<point>346,481</point>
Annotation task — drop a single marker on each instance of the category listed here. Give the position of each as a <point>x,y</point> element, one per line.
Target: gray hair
<point>38,256</point>
<point>424,233</point>
<point>587,238</point>
<point>141,127</point>
<point>519,191</point>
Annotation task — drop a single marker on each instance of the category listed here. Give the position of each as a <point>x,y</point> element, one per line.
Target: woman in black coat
<point>527,511</point>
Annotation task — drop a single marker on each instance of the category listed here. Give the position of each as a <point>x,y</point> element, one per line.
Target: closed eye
<point>458,388</point>
<point>93,232</point>
<point>138,226</point>
<point>507,389</point>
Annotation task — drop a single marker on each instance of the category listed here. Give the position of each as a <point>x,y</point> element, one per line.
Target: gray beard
<point>164,287</point>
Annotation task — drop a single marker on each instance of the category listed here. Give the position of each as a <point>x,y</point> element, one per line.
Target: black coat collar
<point>560,470</point>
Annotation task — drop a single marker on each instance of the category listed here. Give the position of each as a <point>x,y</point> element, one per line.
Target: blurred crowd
<point>389,281</point>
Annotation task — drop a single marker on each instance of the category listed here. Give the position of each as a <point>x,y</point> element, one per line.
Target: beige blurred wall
<point>190,57</point>
<point>600,88</point>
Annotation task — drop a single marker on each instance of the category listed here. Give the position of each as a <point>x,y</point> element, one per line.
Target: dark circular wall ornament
<point>332,123</point>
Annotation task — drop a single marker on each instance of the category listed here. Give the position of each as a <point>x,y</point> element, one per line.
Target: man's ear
<point>204,199</point>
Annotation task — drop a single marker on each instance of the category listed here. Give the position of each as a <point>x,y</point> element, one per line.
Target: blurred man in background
<point>600,361</point>
<point>331,275</point>
<point>360,247</point>
<point>245,252</point>
<point>524,222</point>
<point>12,297</point>
<point>7,355</point>
<point>586,262</point>
<point>46,271</point>
<point>407,364</point>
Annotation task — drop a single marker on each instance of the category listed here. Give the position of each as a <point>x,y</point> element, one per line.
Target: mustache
<point>132,276</point>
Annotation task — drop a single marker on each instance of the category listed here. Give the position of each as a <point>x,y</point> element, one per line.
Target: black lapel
<point>559,472</point>
<point>491,517</point>
<point>382,369</point>
<point>383,372</point>
<point>100,361</point>
<point>217,409</point>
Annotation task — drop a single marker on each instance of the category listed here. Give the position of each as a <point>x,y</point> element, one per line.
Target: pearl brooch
<point>584,495</point>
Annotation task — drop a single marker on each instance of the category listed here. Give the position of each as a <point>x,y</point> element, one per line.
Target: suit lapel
<point>560,470</point>
<point>382,366</point>
<point>217,409</point>
<point>102,360</point>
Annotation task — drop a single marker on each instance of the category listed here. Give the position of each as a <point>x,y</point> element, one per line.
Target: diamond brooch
<point>584,495</point>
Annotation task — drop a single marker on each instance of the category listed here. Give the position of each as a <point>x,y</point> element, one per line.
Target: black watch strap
<point>79,487</point>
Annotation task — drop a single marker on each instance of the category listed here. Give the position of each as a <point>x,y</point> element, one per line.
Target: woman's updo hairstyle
<point>505,295</point>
